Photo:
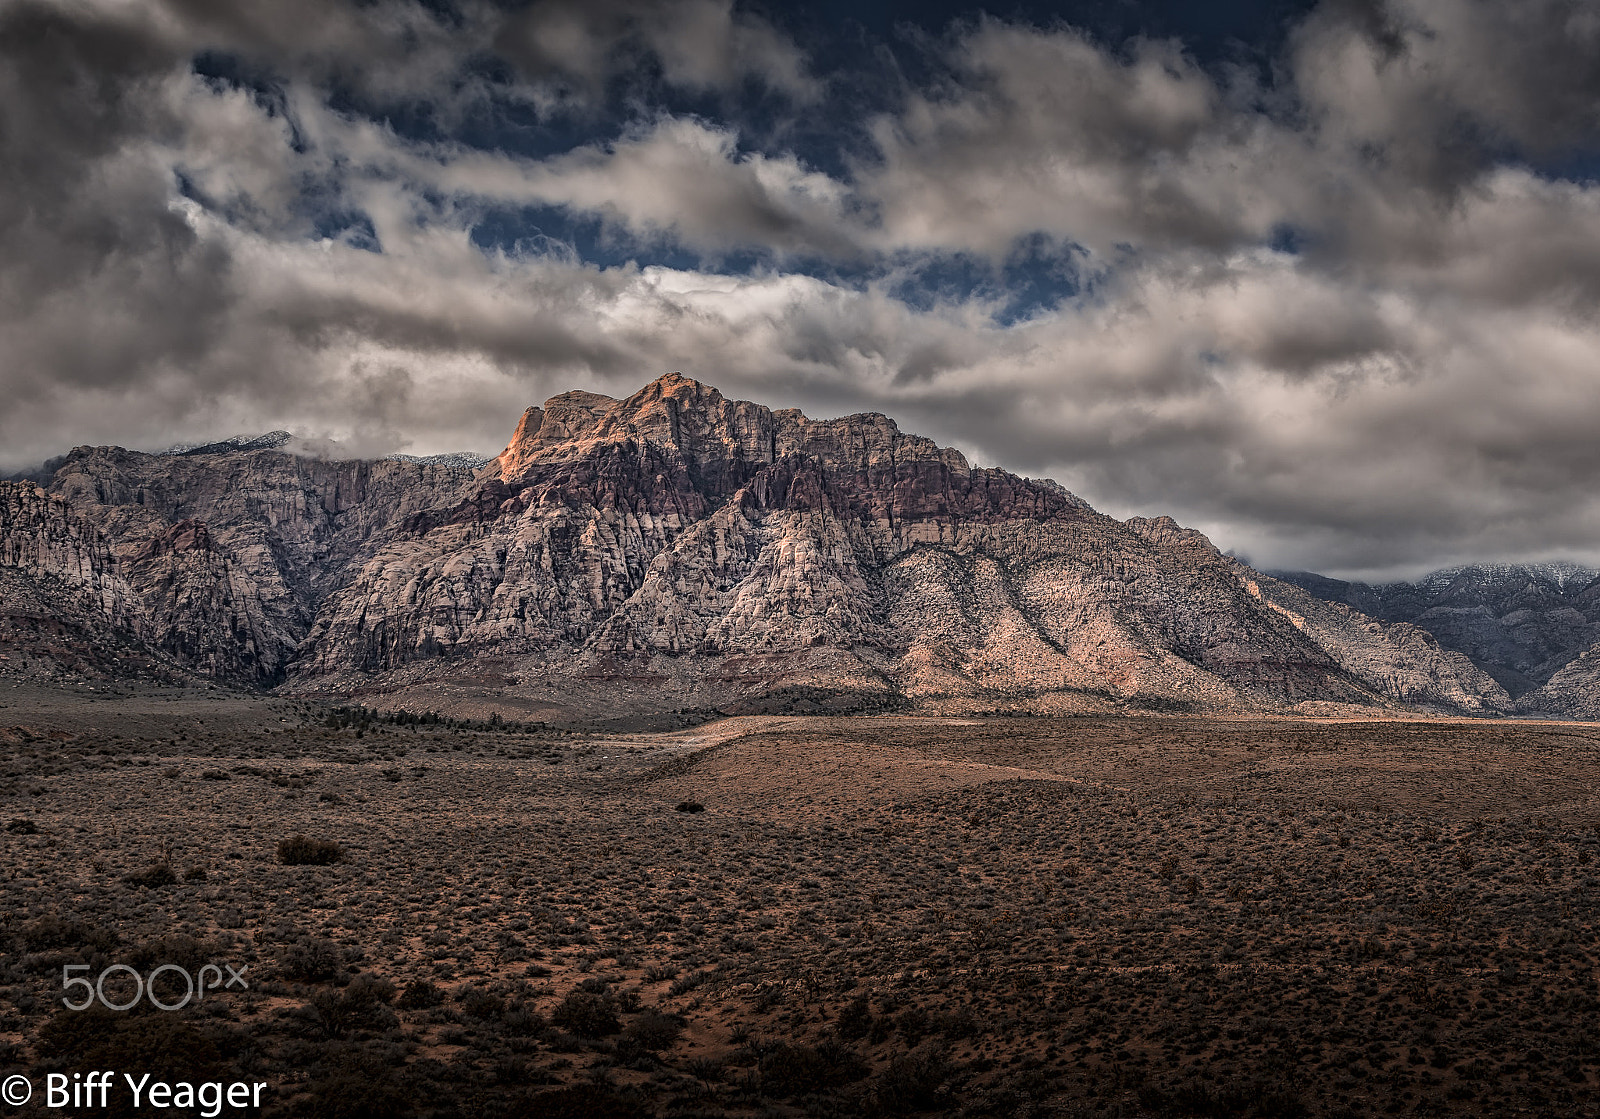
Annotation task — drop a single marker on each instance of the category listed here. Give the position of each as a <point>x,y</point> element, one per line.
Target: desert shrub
<point>360,1006</point>
<point>174,948</point>
<point>521,1021</point>
<point>420,994</point>
<point>299,850</point>
<point>154,877</point>
<point>480,1003</point>
<point>312,961</point>
<point>913,1082</point>
<point>579,1101</point>
<point>789,1070</point>
<point>855,1019</point>
<point>687,983</point>
<point>586,1014</point>
<point>655,1031</point>
<point>165,1045</point>
<point>707,1070</point>
<point>913,1025</point>
<point>52,931</point>
<point>1247,1101</point>
<point>955,1025</point>
<point>372,987</point>
<point>354,1085</point>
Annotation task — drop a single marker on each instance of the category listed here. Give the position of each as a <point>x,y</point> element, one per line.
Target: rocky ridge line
<point>679,549</point>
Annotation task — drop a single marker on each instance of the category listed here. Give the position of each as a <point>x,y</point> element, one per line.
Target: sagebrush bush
<point>51,931</point>
<point>166,1045</point>
<point>298,850</point>
<point>154,877</point>
<point>312,961</point>
<point>789,1070</point>
<point>586,1014</point>
<point>855,1019</point>
<point>655,1031</point>
<point>914,1082</point>
<point>420,994</point>
<point>480,1003</point>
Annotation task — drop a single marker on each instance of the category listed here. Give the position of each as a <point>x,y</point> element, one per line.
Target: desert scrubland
<point>807,916</point>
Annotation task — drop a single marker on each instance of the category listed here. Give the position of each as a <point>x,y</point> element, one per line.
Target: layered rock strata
<point>676,548</point>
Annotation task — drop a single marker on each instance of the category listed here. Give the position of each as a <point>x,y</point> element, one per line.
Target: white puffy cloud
<point>677,179</point>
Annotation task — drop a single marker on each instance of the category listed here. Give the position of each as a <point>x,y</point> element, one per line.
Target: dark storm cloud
<point>1441,89</point>
<point>1343,319</point>
<point>96,262</point>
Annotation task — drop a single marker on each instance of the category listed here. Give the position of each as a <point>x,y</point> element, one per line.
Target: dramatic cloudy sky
<point>1320,279</point>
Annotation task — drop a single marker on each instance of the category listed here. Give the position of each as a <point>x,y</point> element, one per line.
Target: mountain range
<point>678,550</point>
<point>1533,627</point>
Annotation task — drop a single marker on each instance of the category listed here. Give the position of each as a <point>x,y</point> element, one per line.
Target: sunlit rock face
<point>676,548</point>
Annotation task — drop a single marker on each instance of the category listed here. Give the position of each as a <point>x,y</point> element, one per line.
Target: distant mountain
<point>268,441</point>
<point>471,460</point>
<point>1521,623</point>
<point>1490,579</point>
<point>676,549</point>
<point>282,440</point>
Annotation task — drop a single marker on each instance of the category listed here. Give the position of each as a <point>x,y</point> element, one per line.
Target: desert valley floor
<point>771,916</point>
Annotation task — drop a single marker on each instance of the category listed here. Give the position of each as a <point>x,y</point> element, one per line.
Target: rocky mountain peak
<point>677,548</point>
<point>720,442</point>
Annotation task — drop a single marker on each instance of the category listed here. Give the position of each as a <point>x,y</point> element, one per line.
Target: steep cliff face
<point>41,540</point>
<point>63,606</point>
<point>721,551</point>
<point>1573,692</point>
<point>676,548</point>
<point>219,558</point>
<point>1400,661</point>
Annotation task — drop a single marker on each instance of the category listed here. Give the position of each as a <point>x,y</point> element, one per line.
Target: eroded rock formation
<point>677,548</point>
